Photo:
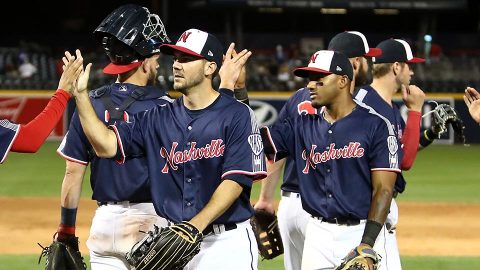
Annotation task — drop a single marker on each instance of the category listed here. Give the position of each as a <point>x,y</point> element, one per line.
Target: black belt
<point>290,194</point>
<point>340,221</point>
<point>219,228</point>
<point>105,203</point>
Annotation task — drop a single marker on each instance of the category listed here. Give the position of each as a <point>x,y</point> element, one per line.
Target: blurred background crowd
<point>281,34</point>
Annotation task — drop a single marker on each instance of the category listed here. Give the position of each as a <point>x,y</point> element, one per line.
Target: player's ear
<point>396,67</point>
<point>210,68</point>
<point>343,82</point>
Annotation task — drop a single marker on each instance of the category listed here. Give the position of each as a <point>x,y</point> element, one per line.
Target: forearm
<point>410,139</point>
<point>382,190</point>
<point>223,197</point>
<point>34,134</point>
<point>269,184</point>
<point>102,139</point>
<point>72,184</point>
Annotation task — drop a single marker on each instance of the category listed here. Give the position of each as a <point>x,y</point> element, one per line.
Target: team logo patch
<point>306,107</point>
<point>255,141</point>
<point>392,145</point>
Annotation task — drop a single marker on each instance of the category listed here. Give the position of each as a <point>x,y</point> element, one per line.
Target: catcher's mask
<point>130,34</point>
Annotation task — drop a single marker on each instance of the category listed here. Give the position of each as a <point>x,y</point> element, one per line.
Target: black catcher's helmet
<point>130,34</point>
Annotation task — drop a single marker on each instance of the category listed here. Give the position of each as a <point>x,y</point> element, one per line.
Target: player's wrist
<point>370,233</point>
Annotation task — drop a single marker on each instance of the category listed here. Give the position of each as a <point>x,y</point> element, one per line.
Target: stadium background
<point>439,222</point>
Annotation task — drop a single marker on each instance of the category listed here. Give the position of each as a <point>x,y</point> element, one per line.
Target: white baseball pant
<point>116,227</point>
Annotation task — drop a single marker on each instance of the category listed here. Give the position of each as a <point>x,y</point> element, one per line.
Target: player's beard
<point>364,77</point>
<point>187,83</point>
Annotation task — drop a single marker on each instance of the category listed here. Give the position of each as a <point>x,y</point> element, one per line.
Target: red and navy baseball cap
<point>327,62</point>
<point>197,43</point>
<point>396,50</point>
<point>352,44</point>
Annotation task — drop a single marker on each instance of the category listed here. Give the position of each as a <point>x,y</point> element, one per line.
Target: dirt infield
<point>424,229</point>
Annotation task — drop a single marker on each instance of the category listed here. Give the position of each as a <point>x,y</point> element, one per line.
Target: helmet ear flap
<point>118,52</point>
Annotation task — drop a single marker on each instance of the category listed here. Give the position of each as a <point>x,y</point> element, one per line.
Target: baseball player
<point>391,74</point>
<point>27,138</point>
<point>292,219</point>
<point>346,171</point>
<point>472,98</point>
<point>203,151</point>
<point>122,192</point>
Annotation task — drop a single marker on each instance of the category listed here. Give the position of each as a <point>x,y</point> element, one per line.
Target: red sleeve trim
<point>121,159</point>
<point>257,176</point>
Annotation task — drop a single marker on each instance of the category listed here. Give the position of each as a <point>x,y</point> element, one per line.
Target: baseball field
<point>439,224</point>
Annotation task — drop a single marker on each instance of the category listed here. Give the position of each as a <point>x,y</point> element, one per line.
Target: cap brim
<point>115,69</point>
<point>305,71</point>
<point>170,49</point>
<point>374,52</point>
<point>416,60</point>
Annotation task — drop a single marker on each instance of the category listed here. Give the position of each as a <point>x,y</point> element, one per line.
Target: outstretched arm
<point>269,185</point>
<point>32,135</point>
<point>102,139</point>
<point>472,99</point>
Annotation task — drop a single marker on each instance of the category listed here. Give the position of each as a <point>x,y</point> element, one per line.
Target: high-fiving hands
<point>472,99</point>
<point>77,83</point>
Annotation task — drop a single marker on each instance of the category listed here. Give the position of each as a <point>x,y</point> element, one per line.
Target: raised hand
<point>232,66</point>
<point>71,70</point>
<point>472,99</point>
<point>413,97</point>
<point>82,84</point>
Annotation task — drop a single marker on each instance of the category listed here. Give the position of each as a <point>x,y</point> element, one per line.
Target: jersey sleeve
<point>8,133</point>
<point>384,152</point>
<point>279,139</point>
<point>130,136</point>
<point>244,154</point>
<point>75,146</point>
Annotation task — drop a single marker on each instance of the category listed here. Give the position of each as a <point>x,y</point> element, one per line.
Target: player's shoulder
<point>370,115</point>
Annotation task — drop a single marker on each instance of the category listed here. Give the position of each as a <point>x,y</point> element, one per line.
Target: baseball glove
<point>63,254</point>
<point>357,259</point>
<point>444,114</point>
<point>168,248</point>
<point>265,228</point>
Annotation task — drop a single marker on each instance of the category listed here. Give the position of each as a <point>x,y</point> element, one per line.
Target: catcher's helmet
<point>130,34</point>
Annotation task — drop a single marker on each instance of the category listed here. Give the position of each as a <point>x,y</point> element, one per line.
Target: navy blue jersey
<point>334,161</point>
<point>190,154</point>
<point>8,133</point>
<point>111,181</point>
<point>296,105</point>
<point>370,97</point>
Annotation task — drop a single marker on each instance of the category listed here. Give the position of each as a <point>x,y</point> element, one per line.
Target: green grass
<point>38,174</point>
<point>22,262</point>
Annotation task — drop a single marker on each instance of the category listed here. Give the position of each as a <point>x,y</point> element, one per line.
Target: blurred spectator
<point>26,68</point>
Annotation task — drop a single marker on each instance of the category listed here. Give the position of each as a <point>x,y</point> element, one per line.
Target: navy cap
<point>352,44</point>
<point>396,50</point>
<point>327,62</point>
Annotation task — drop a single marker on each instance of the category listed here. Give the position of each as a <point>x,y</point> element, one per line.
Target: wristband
<point>372,229</point>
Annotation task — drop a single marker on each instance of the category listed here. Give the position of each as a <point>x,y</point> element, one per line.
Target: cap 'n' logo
<point>313,58</point>
<point>184,37</point>
<point>339,68</point>
<point>210,53</point>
